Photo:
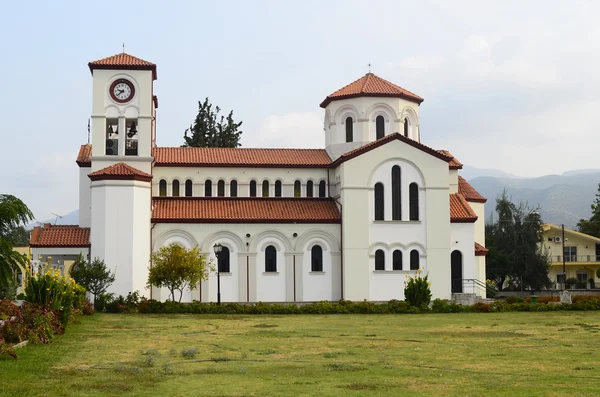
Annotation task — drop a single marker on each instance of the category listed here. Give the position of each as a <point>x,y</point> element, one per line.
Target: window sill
<point>317,273</point>
<point>396,222</point>
<point>270,273</point>
<point>226,273</point>
<point>395,271</point>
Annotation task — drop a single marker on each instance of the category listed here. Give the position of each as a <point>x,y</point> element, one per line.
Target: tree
<point>592,226</point>
<point>18,236</point>
<point>515,249</point>
<point>13,213</point>
<point>209,130</point>
<point>177,268</point>
<point>94,276</point>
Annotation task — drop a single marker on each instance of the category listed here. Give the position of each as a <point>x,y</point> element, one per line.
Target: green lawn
<point>474,354</point>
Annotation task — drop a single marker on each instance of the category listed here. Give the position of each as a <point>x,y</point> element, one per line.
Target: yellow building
<point>580,254</point>
<point>25,252</point>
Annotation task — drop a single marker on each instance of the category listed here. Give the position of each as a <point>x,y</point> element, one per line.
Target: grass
<point>468,354</point>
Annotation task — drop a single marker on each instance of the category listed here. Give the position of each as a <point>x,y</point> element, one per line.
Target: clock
<point>121,90</point>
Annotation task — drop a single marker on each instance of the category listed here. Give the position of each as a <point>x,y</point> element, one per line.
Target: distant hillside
<point>469,172</point>
<point>72,218</point>
<point>563,198</point>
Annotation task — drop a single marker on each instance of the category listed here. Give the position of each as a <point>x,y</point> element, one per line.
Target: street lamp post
<point>218,248</point>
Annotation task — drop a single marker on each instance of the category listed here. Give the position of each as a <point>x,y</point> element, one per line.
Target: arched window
<point>223,260</point>
<point>414,260</point>
<point>188,188</point>
<point>252,188</point>
<point>413,201</point>
<point>322,189</point>
<point>406,127</point>
<point>175,188</point>
<point>265,189</point>
<point>316,259</point>
<point>379,260</point>
<point>456,276</point>
<point>396,194</point>
<point>297,189</point>
<point>270,259</point>
<point>349,129</point>
<point>379,127</point>
<point>397,260</point>
<point>221,188</point>
<point>207,188</point>
<point>379,213</point>
<point>277,188</point>
<point>309,188</point>
<point>162,188</point>
<point>233,189</point>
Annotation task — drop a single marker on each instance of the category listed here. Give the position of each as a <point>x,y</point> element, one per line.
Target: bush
<point>514,299</point>
<point>481,307</point>
<point>8,309</point>
<point>87,308</point>
<point>417,291</point>
<point>102,300</point>
<point>571,282</point>
<point>445,306</point>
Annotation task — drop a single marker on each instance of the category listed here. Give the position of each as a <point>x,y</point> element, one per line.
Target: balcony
<point>591,259</point>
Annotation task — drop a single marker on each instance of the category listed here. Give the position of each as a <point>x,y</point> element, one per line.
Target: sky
<point>509,85</point>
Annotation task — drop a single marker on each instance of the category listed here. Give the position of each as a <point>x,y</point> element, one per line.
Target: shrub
<point>87,308</point>
<point>514,299</point>
<point>482,307</point>
<point>417,291</point>
<point>7,349</point>
<point>445,306</point>
<point>8,309</point>
<point>102,300</point>
<point>571,282</point>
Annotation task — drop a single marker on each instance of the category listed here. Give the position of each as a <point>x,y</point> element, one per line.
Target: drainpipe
<point>341,251</point>
<point>294,277</point>
<point>247,278</point>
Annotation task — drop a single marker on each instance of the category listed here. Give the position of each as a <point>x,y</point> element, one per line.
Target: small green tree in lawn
<point>176,268</point>
<point>417,290</point>
<point>94,276</point>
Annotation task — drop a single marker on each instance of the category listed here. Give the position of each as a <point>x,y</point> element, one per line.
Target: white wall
<point>248,280</point>
<point>461,239</point>
<point>243,176</point>
<point>85,197</point>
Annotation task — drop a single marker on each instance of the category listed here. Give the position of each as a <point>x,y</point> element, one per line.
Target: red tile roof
<point>454,163</point>
<point>240,157</point>
<point>120,171</point>
<point>480,250</point>
<point>371,85</point>
<point>83,158</point>
<point>60,236</point>
<point>460,210</point>
<point>244,210</point>
<point>123,61</point>
<point>388,138</point>
<point>468,192</point>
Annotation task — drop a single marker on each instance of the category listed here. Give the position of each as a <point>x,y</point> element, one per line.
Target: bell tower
<point>123,111</point>
<point>120,177</point>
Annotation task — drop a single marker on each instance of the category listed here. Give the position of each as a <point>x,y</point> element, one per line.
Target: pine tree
<point>592,226</point>
<point>211,130</point>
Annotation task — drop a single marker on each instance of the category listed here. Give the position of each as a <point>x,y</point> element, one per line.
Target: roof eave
<point>328,100</point>
<point>93,66</point>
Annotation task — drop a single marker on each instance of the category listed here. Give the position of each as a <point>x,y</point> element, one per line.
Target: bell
<point>132,129</point>
<point>109,130</point>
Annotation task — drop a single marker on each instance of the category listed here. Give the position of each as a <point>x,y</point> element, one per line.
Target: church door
<point>456,271</point>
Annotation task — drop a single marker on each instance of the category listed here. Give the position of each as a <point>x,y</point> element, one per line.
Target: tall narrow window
<point>379,213</point>
<point>396,194</point>
<point>207,188</point>
<point>309,188</point>
<point>413,201</point>
<point>349,129</point>
<point>252,188</point>
<point>316,259</point>
<point>297,189</point>
<point>233,189</point>
<point>397,260</point>
<point>277,188</point>
<point>270,259</point>
<point>188,188</point>
<point>379,260</point>
<point>414,260</point>
<point>406,128</point>
<point>379,127</point>
<point>162,188</point>
<point>322,189</point>
<point>221,188</point>
<point>175,188</point>
<point>224,260</point>
<point>265,189</point>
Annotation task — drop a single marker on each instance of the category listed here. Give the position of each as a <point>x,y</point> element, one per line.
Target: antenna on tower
<point>88,131</point>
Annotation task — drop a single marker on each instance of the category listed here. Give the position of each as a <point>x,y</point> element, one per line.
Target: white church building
<point>351,220</point>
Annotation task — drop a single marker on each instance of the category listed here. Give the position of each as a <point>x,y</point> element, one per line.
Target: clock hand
<point>120,92</point>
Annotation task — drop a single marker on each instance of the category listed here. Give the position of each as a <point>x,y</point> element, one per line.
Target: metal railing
<point>473,286</point>
<point>575,258</point>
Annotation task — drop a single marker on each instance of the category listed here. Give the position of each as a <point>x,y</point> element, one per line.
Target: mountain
<point>72,218</point>
<point>563,199</point>
<point>469,172</point>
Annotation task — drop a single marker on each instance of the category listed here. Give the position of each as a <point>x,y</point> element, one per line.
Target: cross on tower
<point>369,67</point>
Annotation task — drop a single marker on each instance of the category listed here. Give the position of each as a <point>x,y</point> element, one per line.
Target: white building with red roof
<point>349,221</point>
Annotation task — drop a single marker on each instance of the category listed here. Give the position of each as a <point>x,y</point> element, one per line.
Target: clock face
<point>121,90</point>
